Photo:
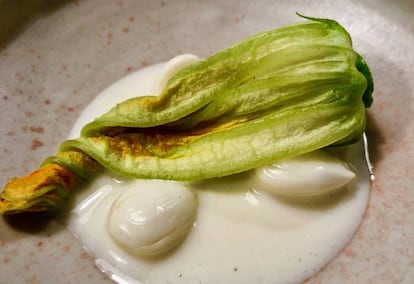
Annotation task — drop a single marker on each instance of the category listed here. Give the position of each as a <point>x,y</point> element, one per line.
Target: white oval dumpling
<point>310,174</point>
<point>152,216</point>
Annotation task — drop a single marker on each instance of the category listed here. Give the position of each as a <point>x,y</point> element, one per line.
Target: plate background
<point>55,57</point>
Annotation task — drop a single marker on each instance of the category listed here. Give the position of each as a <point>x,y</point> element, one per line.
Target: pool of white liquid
<point>241,234</point>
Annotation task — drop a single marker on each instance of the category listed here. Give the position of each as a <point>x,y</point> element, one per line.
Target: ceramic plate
<point>55,56</point>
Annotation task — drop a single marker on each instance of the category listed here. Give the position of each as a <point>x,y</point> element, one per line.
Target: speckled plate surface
<point>54,58</point>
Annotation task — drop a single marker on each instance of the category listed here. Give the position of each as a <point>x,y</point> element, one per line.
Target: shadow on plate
<point>15,16</point>
<point>389,117</point>
<point>29,222</point>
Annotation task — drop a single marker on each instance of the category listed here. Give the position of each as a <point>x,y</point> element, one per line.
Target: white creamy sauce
<point>241,233</point>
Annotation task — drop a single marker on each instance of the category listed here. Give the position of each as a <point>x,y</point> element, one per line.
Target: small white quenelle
<point>152,217</point>
<point>310,174</point>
